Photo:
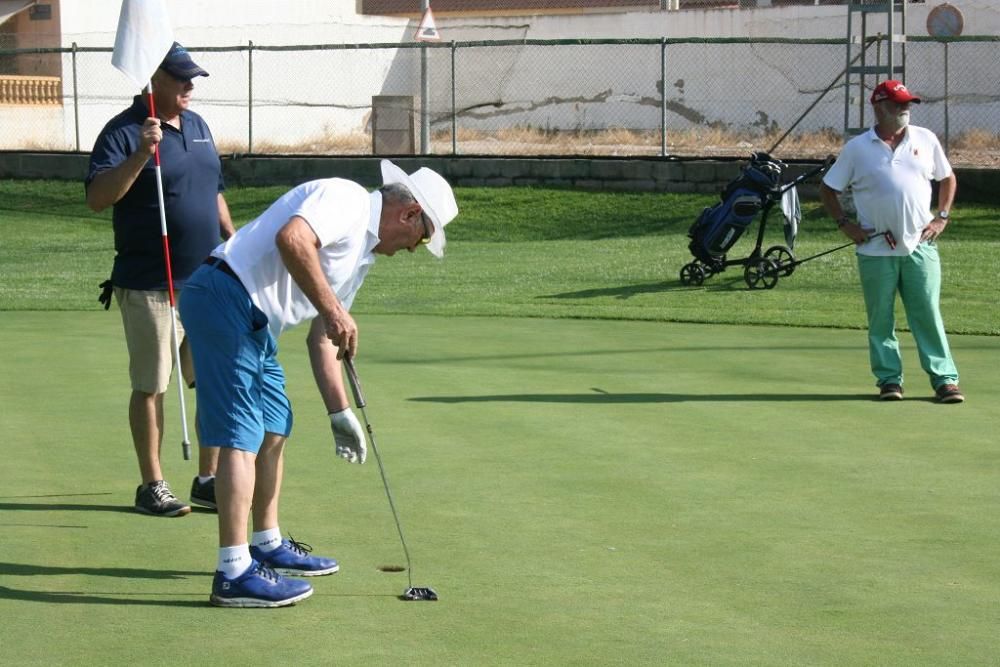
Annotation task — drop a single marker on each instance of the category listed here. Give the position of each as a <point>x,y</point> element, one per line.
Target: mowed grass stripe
<point>532,252</point>
<point>578,492</point>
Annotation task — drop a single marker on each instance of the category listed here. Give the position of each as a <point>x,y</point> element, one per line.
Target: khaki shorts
<point>148,335</point>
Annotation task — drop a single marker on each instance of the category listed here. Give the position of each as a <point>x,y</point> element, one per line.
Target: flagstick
<point>186,444</point>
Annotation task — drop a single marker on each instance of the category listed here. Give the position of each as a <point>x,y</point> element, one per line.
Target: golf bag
<point>720,226</point>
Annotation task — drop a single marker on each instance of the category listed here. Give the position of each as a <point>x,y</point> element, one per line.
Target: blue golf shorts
<point>240,385</point>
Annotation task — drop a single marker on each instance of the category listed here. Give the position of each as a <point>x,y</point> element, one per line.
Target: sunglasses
<point>428,229</point>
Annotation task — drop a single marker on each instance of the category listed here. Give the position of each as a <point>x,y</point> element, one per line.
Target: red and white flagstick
<point>186,443</point>
<point>143,38</point>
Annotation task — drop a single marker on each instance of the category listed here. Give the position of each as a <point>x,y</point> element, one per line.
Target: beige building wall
<point>29,30</point>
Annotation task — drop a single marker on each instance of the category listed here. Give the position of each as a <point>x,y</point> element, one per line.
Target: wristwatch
<point>943,214</point>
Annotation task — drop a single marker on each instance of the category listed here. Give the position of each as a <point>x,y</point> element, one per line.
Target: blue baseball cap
<point>179,65</point>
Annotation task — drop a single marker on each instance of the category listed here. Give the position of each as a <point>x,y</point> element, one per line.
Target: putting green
<point>577,492</point>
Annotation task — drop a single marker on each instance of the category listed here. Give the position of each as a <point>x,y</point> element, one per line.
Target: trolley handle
<point>807,175</point>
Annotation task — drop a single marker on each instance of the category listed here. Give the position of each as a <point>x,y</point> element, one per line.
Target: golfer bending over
<point>307,255</point>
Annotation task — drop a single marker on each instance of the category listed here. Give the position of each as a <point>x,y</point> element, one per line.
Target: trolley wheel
<point>762,274</point>
<point>783,257</point>
<point>692,274</point>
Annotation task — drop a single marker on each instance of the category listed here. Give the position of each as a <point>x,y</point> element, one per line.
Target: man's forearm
<point>830,201</point>
<point>226,228</point>
<point>111,185</point>
<point>326,368</point>
<point>946,192</point>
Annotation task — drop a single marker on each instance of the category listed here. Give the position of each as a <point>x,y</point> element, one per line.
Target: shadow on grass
<point>7,593</point>
<point>42,525</point>
<point>81,597</point>
<point>629,291</point>
<point>10,507</point>
<point>603,398</point>
<point>62,506</point>
<point>31,570</point>
<point>74,597</point>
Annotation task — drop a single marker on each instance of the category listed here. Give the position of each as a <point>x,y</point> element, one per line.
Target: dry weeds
<point>976,148</point>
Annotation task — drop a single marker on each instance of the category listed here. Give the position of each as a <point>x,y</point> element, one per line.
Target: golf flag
<point>427,31</point>
<point>144,37</point>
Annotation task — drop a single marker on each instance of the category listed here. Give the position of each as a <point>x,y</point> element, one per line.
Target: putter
<point>412,592</point>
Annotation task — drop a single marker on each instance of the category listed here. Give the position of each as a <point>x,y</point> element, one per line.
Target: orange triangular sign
<point>427,31</point>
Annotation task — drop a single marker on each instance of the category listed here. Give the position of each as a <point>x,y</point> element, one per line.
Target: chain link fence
<point>380,7</point>
<point>644,97</point>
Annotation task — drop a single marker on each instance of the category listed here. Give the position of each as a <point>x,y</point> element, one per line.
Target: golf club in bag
<point>412,592</point>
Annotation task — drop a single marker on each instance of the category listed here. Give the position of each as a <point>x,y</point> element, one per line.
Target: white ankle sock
<point>203,479</point>
<point>234,561</point>
<point>266,540</point>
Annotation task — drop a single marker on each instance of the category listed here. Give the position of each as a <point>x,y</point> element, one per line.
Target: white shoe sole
<point>305,573</point>
<point>218,601</point>
<point>178,512</point>
<point>207,504</point>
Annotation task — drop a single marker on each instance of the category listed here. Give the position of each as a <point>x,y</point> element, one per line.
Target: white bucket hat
<point>433,194</point>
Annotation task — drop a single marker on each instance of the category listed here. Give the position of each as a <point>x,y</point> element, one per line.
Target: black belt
<point>221,265</point>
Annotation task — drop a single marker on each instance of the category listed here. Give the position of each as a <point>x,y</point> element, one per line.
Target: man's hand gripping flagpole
<point>143,39</point>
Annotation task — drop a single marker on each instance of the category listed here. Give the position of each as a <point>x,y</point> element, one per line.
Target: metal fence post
<point>454,115</point>
<point>946,98</point>
<point>663,97</point>
<point>425,91</point>
<point>76,103</point>
<point>250,97</point>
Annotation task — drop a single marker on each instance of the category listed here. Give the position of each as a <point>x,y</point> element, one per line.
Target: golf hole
<point>392,568</point>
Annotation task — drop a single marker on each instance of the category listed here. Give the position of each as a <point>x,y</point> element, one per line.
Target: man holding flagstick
<point>167,217</point>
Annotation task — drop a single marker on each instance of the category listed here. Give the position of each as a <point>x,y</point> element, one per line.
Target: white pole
<point>186,443</point>
<point>425,91</point>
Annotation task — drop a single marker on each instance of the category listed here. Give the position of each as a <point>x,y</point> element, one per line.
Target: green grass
<point>530,252</point>
<point>593,464</point>
<point>578,492</point>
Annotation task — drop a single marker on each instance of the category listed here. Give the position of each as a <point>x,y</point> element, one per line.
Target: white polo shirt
<point>345,218</point>
<point>892,189</point>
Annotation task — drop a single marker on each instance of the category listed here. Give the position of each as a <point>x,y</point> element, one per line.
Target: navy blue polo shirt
<point>192,180</point>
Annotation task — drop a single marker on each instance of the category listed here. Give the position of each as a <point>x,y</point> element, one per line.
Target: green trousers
<point>917,278</point>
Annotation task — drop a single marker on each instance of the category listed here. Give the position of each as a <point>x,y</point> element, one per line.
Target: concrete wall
<point>982,17</point>
<point>41,128</point>
<point>307,97</point>
<point>637,175</point>
<point>234,22</point>
<point>297,96</point>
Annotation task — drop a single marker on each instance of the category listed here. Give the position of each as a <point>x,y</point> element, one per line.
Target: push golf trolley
<point>755,192</point>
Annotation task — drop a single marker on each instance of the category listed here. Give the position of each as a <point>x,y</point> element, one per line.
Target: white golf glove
<point>348,438</point>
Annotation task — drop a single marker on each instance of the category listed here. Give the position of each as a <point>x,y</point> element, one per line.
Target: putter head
<point>418,593</point>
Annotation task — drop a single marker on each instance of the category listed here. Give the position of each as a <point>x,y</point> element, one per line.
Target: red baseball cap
<point>895,91</point>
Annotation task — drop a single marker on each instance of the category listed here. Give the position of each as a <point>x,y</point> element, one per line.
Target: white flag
<point>144,37</point>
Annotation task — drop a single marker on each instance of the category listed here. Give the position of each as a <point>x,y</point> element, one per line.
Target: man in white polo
<point>889,170</point>
<point>303,259</point>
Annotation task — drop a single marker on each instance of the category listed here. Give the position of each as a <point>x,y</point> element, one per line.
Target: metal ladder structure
<point>873,54</point>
